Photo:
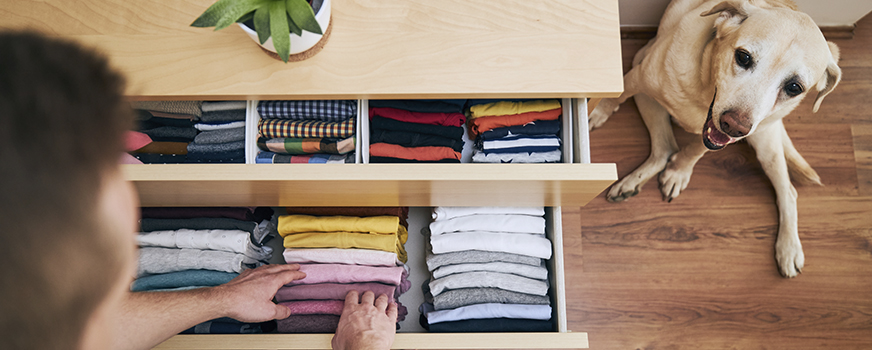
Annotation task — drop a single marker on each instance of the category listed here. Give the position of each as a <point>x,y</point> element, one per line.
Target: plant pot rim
<point>307,45</point>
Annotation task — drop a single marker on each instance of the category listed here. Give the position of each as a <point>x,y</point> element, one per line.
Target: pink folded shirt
<point>329,307</point>
<point>335,291</point>
<point>338,273</point>
<point>315,307</point>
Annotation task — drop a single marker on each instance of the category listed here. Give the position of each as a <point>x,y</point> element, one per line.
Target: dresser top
<point>377,49</point>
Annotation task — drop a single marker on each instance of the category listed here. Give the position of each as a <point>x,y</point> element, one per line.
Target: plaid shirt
<point>326,110</point>
<point>280,128</point>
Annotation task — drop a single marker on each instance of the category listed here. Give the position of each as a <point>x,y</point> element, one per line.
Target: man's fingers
<point>367,298</point>
<point>278,268</point>
<point>381,303</point>
<point>289,276</point>
<point>392,312</point>
<point>351,299</point>
<point>282,312</point>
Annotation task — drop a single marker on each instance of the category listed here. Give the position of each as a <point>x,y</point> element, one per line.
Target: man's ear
<point>731,14</point>
<point>832,77</point>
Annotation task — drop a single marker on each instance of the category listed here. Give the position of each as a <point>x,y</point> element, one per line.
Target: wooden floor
<point>699,273</point>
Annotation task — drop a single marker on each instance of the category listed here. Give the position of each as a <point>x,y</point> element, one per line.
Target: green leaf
<point>212,14</point>
<point>303,16</point>
<point>293,27</point>
<point>278,27</point>
<point>245,17</point>
<point>239,9</point>
<point>261,23</point>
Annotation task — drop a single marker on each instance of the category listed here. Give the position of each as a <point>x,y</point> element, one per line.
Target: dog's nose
<point>735,124</point>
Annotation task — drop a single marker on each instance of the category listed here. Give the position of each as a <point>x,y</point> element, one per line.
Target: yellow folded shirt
<point>512,108</point>
<point>351,240</point>
<point>293,224</point>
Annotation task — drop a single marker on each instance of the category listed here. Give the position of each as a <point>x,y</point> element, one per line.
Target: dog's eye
<point>792,89</point>
<point>743,59</point>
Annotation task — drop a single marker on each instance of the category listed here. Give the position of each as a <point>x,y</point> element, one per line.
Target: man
<point>68,220</point>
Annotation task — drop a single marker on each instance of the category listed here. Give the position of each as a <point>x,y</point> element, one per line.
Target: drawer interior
<point>574,133</point>
<point>419,217</point>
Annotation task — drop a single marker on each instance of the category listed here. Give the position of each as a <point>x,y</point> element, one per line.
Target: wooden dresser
<point>378,49</point>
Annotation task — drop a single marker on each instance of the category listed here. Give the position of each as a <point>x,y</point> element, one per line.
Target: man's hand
<point>366,323</point>
<point>248,297</point>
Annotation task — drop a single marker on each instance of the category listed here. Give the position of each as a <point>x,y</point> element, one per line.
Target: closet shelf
<point>370,184</point>
<point>402,49</point>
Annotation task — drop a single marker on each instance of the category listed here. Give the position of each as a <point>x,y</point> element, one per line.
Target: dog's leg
<point>676,176</point>
<point>663,145</point>
<point>607,106</point>
<point>798,168</point>
<point>770,152</point>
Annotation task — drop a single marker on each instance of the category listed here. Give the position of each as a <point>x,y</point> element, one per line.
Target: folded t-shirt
<point>306,146</point>
<point>412,139</point>
<point>291,224</point>
<point>325,110</point>
<point>445,119</point>
<point>424,153</point>
<point>382,123</point>
<point>426,106</point>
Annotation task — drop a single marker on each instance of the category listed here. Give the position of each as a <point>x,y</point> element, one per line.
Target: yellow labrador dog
<point>728,70</point>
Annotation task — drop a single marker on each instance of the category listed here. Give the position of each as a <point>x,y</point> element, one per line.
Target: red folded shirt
<point>445,119</point>
<point>482,124</point>
<point>382,149</point>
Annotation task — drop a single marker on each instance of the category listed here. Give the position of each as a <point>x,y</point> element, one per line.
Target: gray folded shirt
<point>529,271</point>
<point>505,281</point>
<point>435,261</point>
<point>163,260</point>
<point>220,136</point>
<point>452,299</point>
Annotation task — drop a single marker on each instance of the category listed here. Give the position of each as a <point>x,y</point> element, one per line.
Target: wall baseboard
<point>648,32</point>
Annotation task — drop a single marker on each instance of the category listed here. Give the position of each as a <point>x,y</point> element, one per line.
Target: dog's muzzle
<point>712,137</point>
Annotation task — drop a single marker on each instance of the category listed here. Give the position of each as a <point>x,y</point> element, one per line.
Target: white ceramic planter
<point>299,43</point>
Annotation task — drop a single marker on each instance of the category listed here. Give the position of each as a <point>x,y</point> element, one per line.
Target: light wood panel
<point>369,184</point>
<point>571,340</point>
<point>378,49</point>
<point>699,273</point>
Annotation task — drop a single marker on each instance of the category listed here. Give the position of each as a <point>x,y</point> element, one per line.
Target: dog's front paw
<point>789,256</point>
<point>674,179</point>
<point>623,190</point>
<point>601,113</point>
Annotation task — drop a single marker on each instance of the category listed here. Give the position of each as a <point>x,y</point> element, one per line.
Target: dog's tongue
<point>716,137</point>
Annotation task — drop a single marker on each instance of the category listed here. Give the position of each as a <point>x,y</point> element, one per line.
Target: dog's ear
<point>731,14</point>
<point>832,78</point>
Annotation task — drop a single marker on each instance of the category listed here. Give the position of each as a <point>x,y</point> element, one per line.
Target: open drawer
<point>572,183</point>
<point>411,335</point>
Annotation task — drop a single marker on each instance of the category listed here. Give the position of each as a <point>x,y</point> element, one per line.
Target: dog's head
<point>764,62</point>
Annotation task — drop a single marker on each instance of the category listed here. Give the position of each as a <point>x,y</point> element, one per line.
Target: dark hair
<point>62,123</point>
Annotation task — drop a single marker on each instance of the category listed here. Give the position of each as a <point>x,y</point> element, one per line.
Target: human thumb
<point>282,312</point>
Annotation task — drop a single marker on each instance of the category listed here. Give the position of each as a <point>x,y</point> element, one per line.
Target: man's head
<point>65,210</point>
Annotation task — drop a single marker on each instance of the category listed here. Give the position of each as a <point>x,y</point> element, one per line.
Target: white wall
<point>646,13</point>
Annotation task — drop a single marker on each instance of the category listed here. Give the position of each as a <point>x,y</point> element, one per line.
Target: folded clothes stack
<point>410,131</point>
<point>515,131</point>
<point>190,132</point>
<point>320,131</point>
<point>187,248</point>
<point>341,249</point>
<point>488,271</point>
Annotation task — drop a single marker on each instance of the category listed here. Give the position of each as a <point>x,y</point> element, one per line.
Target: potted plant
<point>283,27</point>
